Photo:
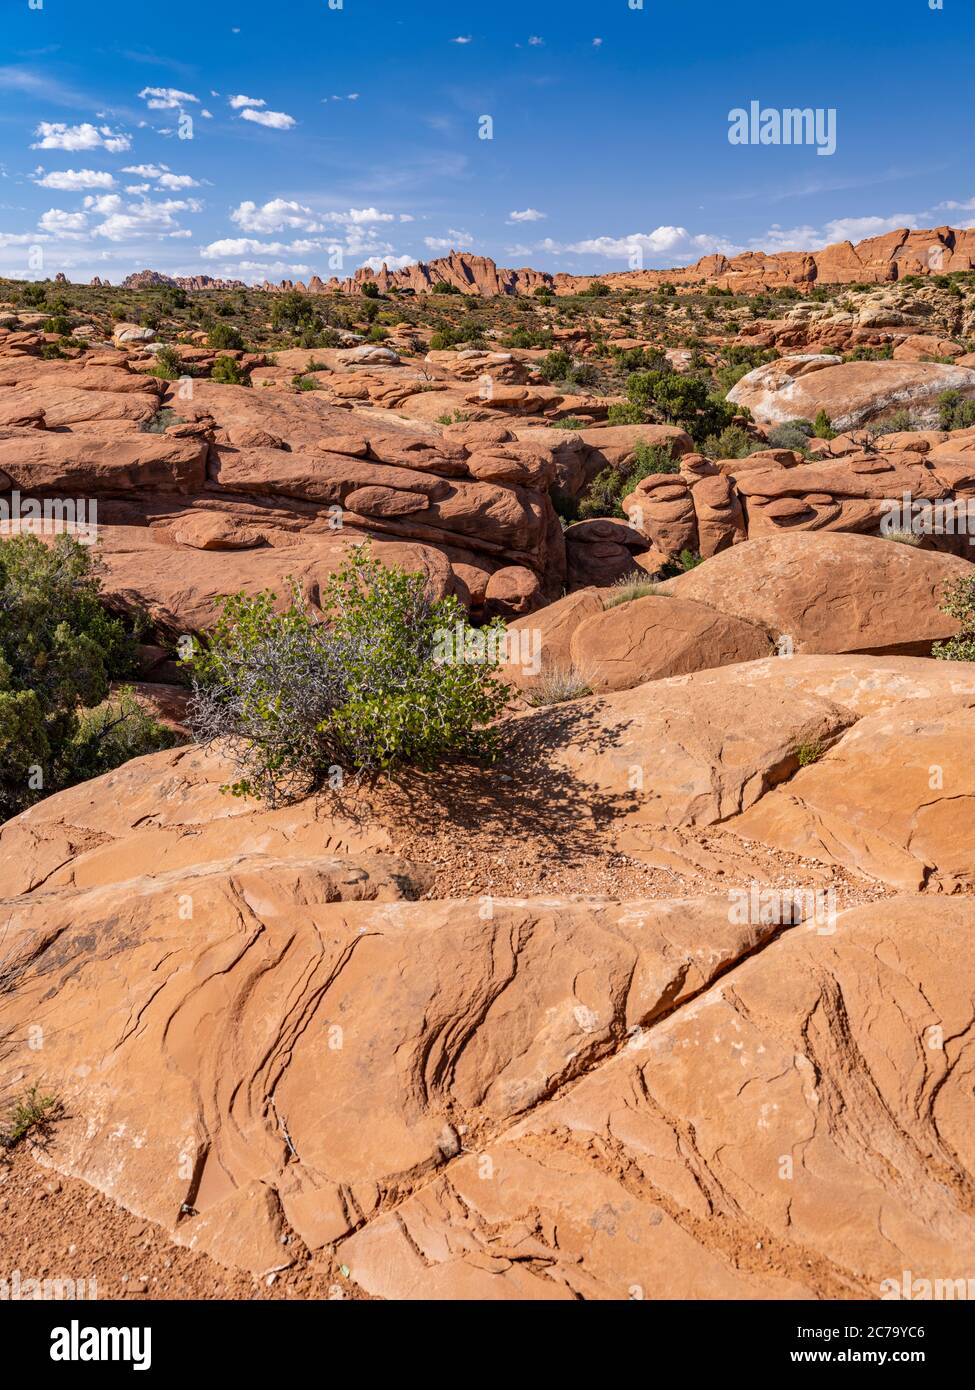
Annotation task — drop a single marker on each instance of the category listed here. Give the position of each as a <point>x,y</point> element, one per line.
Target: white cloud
<point>242,246</point>
<point>390,262</point>
<point>138,187</point>
<point>463,38</point>
<point>207,115</point>
<point>535,41</point>
<point>274,216</point>
<point>55,135</point>
<point>597,43</point>
<point>239,101</point>
<point>529,215</point>
<point>174,182</point>
<point>453,239</point>
<point>406,217</point>
<point>146,171</point>
<point>359,216</point>
<point>61,223</point>
<point>275,120</point>
<point>74,180</point>
<point>166,98</point>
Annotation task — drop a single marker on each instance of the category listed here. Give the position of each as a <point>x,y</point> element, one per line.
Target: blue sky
<point>320,137</point>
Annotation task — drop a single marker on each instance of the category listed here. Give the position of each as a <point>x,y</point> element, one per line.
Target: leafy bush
<point>228,372</point>
<point>959,603</point>
<point>683,400</point>
<point>732,443</point>
<point>794,434</point>
<point>898,423</point>
<point>59,652</point>
<point>555,366</point>
<point>371,290</point>
<point>597,290</point>
<point>169,365</point>
<point>59,324</point>
<point>368,687</point>
<point>823,426</point>
<point>955,412</point>
<point>225,336</point>
<point>608,488</point>
<point>626,413</point>
<point>444,287</point>
<point>293,309</point>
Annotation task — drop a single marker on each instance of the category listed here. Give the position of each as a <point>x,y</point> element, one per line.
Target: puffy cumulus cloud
<point>274,120</point>
<point>356,217</point>
<point>146,219</point>
<point>274,216</point>
<point>463,39</point>
<point>146,171</point>
<point>166,98</point>
<point>667,244</point>
<point>73,180</point>
<point>56,135</point>
<point>174,183</point>
<point>240,101</point>
<point>162,176</point>
<point>529,215</point>
<point>60,223</point>
<point>242,246</point>
<point>279,214</point>
<point>390,262</point>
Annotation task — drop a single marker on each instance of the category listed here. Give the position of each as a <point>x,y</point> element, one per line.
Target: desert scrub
<point>902,537</point>
<point>959,603</point>
<point>227,371</point>
<point>559,684</point>
<point>32,1114</point>
<point>59,653</point>
<point>382,678</point>
<point>809,753</point>
<point>631,587</point>
<point>608,488</point>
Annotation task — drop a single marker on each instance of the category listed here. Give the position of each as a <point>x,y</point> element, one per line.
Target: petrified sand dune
<point>265,1041</point>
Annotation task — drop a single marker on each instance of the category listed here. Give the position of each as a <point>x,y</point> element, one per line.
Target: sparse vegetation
<point>368,686</point>
<point>558,684</point>
<point>959,603</point>
<point>631,587</point>
<point>32,1114</point>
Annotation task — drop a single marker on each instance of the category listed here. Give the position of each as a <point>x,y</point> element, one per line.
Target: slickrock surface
<point>851,393</point>
<point>297,1041</point>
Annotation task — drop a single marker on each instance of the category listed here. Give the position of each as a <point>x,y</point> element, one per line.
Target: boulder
<point>823,592</point>
<point>851,393</point>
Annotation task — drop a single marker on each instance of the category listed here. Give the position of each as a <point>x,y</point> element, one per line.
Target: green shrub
<point>371,290</point>
<point>32,1114</point>
<point>555,366</point>
<point>823,426</point>
<point>632,587</point>
<point>228,372</point>
<point>444,287</point>
<point>169,365</point>
<point>59,324</point>
<point>681,399</point>
<point>112,733</point>
<point>59,652</point>
<point>898,423</point>
<point>608,488</point>
<point>367,687</point>
<point>955,411</point>
<point>225,336</point>
<point>732,443</point>
<point>794,434</point>
<point>959,603</point>
<point>626,413</point>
